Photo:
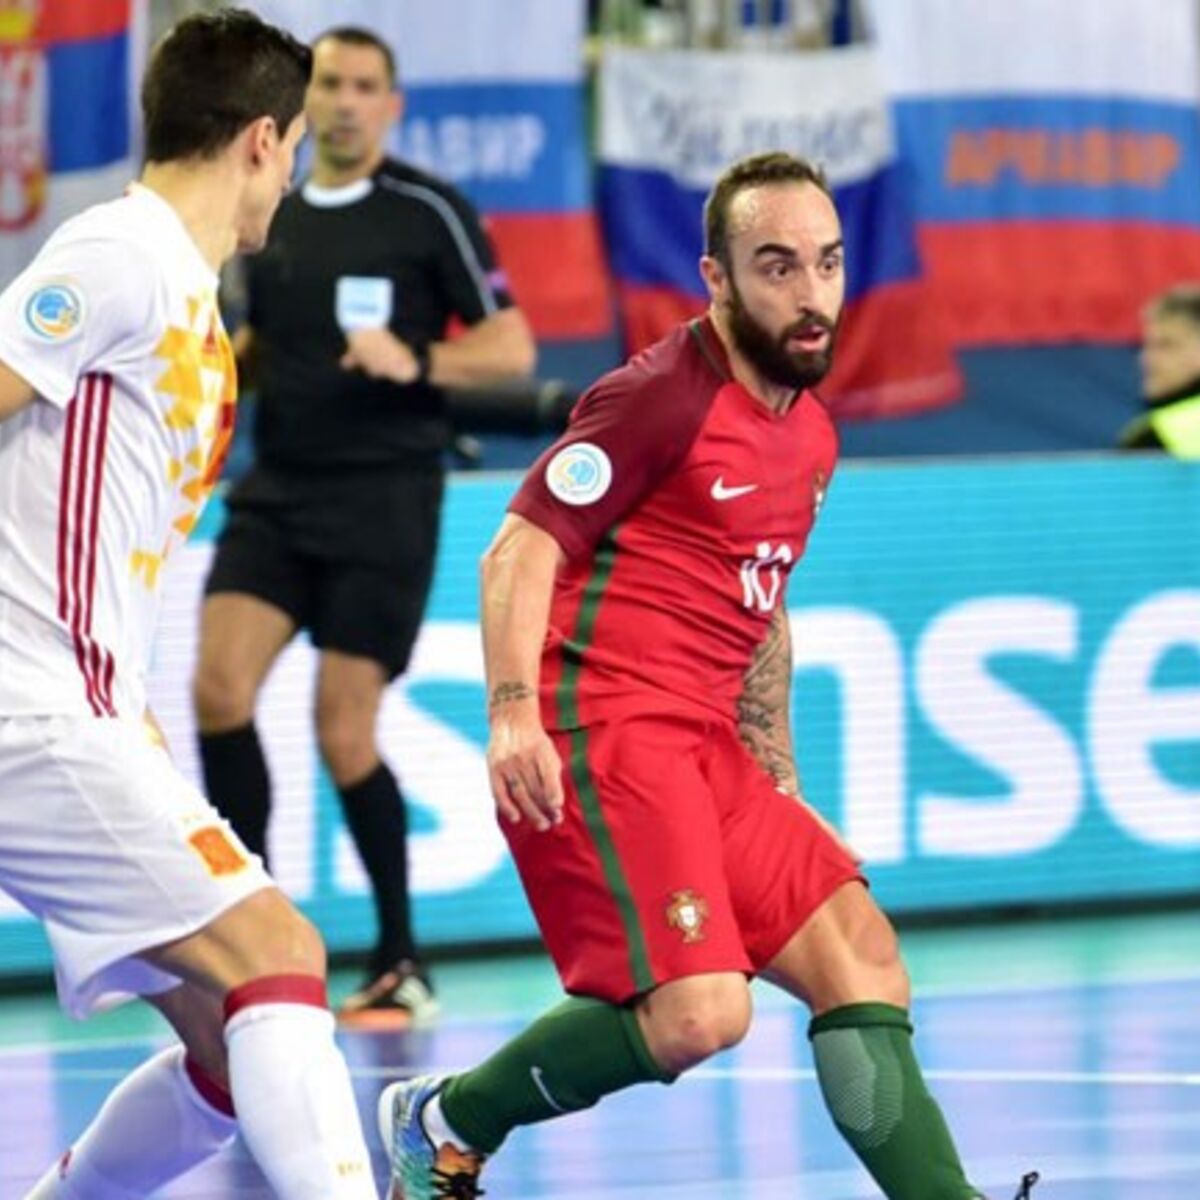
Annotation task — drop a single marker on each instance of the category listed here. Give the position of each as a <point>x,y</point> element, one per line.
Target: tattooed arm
<point>764,724</point>
<point>517,581</point>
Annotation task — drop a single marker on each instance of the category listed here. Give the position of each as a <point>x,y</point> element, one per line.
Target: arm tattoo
<point>763,722</point>
<point>506,693</point>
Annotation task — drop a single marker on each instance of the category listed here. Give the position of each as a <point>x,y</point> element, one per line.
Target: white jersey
<point>115,324</point>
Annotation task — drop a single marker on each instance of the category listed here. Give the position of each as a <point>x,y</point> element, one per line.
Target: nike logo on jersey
<point>539,1082</point>
<point>721,492</point>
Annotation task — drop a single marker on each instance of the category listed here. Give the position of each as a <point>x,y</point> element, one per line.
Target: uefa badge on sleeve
<point>579,474</point>
<point>54,311</point>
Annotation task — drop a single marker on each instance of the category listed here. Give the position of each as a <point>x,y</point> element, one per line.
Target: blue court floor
<point>1072,1047</point>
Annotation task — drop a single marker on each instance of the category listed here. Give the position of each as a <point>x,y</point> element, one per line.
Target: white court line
<point>968,1075</point>
<point>746,1074</point>
<point>775,1001</point>
<point>150,1041</point>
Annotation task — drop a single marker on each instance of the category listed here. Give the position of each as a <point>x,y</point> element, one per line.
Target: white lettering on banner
<point>974,712</point>
<point>691,114</point>
<point>1127,716</point>
<point>866,655</point>
<point>476,149</point>
<point>997,727</point>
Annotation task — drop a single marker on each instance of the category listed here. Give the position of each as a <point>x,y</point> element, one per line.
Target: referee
<point>335,529</point>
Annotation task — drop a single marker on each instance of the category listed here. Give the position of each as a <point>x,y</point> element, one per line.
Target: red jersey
<point>682,503</point>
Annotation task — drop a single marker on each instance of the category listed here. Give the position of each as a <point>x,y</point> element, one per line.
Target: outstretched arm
<point>764,723</point>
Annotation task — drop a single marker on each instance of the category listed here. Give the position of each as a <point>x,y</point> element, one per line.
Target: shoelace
<point>1027,1182</point>
<point>456,1185</point>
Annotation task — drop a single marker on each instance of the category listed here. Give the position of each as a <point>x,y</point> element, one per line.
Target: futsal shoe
<point>421,1170</point>
<point>399,997</point>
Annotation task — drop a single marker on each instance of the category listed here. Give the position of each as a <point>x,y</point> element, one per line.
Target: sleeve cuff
<point>48,385</point>
<point>574,544</point>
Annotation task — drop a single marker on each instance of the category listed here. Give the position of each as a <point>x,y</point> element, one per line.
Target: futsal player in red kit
<point>639,668</point>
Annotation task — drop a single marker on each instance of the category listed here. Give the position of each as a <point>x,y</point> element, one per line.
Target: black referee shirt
<point>400,248</point>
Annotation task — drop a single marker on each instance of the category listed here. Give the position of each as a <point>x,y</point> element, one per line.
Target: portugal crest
<point>687,912</point>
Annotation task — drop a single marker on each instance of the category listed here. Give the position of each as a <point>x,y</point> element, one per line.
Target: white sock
<point>438,1129</point>
<point>153,1127</point>
<point>294,1101</point>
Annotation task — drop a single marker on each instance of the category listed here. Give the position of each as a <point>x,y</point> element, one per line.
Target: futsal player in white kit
<point>117,391</point>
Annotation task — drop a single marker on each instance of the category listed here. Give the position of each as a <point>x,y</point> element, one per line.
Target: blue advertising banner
<point>996,698</point>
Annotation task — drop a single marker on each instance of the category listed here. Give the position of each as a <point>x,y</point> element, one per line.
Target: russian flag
<point>1055,154</point>
<point>672,121</point>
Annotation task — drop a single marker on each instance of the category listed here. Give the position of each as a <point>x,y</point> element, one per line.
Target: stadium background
<point>997,687</point>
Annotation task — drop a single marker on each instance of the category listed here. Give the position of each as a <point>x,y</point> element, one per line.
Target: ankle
<point>439,1131</point>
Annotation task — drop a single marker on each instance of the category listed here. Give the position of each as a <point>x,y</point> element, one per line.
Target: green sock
<point>875,1093</point>
<point>564,1062</point>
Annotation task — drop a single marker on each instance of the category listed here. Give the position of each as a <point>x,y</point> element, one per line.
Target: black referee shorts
<point>348,556</point>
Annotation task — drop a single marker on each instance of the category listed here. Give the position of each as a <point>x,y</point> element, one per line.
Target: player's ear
<point>262,139</point>
<point>398,105</point>
<point>715,276</point>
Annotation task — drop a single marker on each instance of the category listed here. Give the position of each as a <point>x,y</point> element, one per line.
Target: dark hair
<point>355,35</point>
<point>215,73</point>
<point>758,169</point>
<point>1182,300</point>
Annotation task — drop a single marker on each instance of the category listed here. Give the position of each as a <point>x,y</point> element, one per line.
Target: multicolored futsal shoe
<point>421,1170</point>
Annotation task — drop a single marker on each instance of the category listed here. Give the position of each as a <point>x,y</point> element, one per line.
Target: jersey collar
<point>709,343</point>
<point>337,197</point>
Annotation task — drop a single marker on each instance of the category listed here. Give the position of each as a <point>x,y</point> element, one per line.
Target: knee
<point>685,1032</point>
<point>877,948</point>
<point>223,695</point>
<point>347,746</point>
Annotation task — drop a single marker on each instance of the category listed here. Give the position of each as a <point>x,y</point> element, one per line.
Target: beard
<point>344,156</point>
<point>768,353</point>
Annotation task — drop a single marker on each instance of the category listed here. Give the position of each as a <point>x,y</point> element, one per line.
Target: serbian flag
<point>68,114</point>
<point>1056,154</point>
<point>671,121</point>
<point>495,105</point>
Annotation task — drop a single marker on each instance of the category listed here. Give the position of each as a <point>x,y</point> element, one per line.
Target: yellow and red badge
<point>218,853</point>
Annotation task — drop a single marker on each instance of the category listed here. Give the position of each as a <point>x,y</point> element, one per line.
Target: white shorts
<point>113,849</point>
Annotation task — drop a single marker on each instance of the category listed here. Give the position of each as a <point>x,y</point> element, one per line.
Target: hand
<point>381,355</point>
<point>524,769</point>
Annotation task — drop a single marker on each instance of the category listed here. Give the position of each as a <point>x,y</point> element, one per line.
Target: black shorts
<point>348,556</point>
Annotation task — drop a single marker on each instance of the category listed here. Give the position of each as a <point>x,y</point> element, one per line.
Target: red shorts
<point>676,856</point>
